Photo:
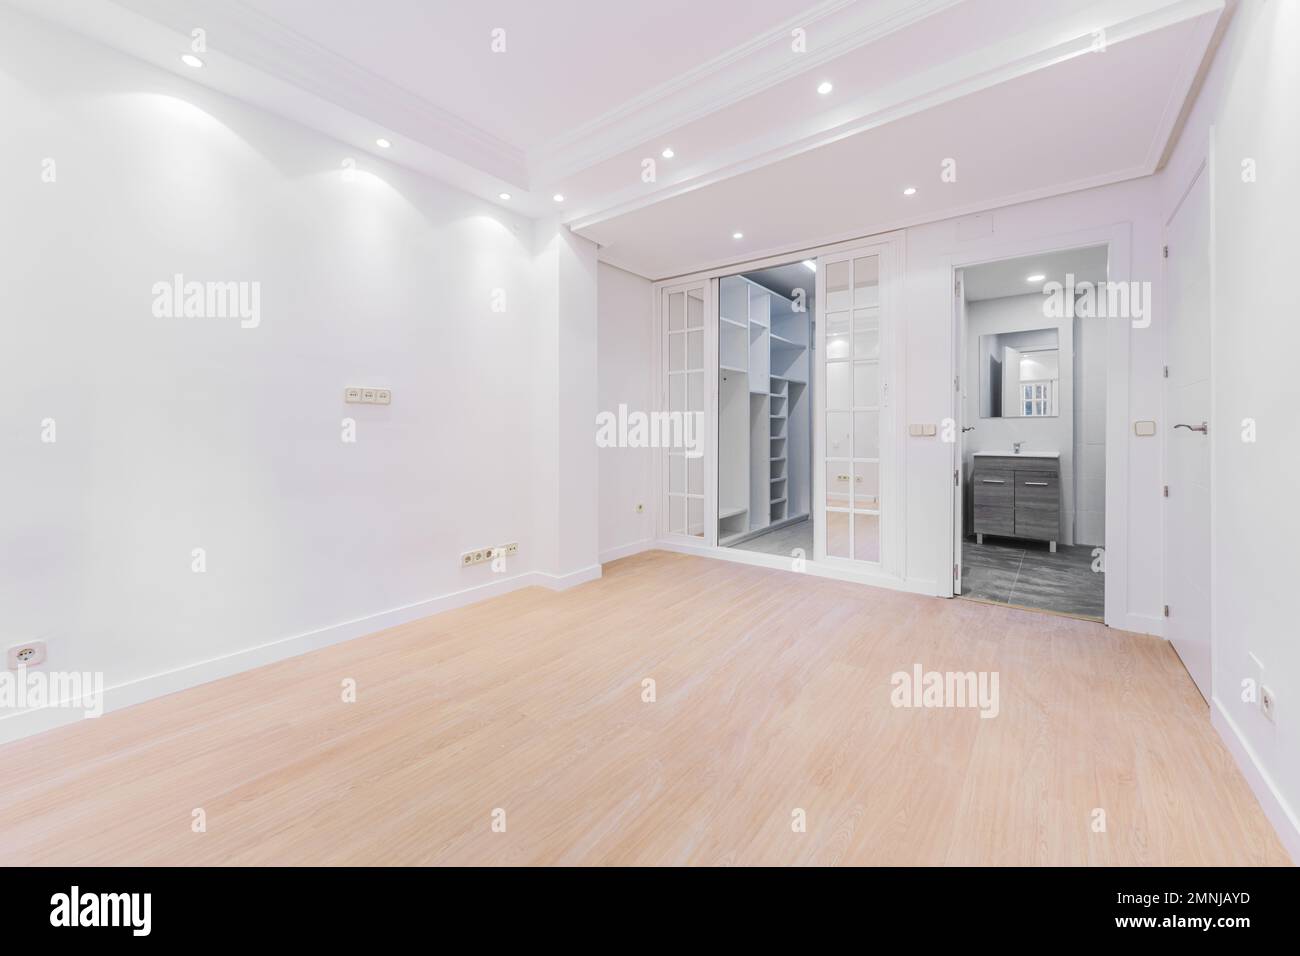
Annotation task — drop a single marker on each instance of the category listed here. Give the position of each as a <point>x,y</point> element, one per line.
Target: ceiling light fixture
<point>668,153</point>
<point>189,59</point>
<point>1036,277</point>
<point>382,143</point>
<point>810,265</point>
<point>737,235</point>
<point>909,191</point>
<point>505,196</point>
<point>558,197</point>
<point>824,87</point>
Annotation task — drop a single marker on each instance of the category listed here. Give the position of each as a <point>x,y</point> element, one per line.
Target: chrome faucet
<point>1016,446</point>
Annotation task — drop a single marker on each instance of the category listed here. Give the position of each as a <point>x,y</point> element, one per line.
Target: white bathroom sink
<point>1023,454</point>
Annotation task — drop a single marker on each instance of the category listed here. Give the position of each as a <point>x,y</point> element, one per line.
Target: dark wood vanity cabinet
<point>1017,497</point>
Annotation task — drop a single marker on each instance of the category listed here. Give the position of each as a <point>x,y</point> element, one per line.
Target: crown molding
<point>238,31</point>
<point>1009,59</point>
<point>834,27</point>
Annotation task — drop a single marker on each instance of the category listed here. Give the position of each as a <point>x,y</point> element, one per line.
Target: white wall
<point>1249,98</point>
<point>625,343</point>
<point>176,434</point>
<point>1020,313</point>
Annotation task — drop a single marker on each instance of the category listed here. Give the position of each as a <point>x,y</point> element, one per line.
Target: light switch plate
<point>366,395</point>
<point>1144,429</point>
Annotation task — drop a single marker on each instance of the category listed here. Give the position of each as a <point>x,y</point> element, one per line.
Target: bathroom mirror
<point>1020,374</point>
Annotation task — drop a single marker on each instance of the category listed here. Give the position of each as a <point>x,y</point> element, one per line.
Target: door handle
<point>1036,484</point>
<point>994,481</point>
<point>967,428</point>
<point>1203,428</point>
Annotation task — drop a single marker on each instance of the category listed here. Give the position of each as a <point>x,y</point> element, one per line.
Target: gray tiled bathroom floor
<point>1026,573</point>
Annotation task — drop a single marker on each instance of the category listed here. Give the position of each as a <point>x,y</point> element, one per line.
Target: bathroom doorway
<point>1031,433</point>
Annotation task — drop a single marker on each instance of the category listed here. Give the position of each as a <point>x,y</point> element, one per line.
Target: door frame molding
<point>1117,237</point>
<point>893,574</point>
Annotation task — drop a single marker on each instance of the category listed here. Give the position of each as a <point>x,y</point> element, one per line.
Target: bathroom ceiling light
<point>1036,277</point>
<point>505,196</point>
<point>382,143</point>
<point>824,87</point>
<point>558,197</point>
<point>189,59</point>
<point>810,265</point>
<point>737,235</point>
<point>909,191</point>
<point>668,153</point>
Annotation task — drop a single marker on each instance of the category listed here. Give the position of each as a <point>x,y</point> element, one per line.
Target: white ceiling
<point>996,280</point>
<point>566,63</point>
<point>588,90</point>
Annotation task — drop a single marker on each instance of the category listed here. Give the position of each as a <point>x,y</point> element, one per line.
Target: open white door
<point>1187,442</point>
<point>959,430</point>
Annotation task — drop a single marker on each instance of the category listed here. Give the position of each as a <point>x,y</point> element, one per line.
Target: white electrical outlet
<point>25,655</point>
<point>640,508</point>
<point>1266,702</point>
<point>481,555</point>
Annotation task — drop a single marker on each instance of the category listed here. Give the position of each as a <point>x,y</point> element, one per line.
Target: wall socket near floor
<point>640,508</point>
<point>365,395</point>
<point>25,655</point>
<point>480,555</point>
<point>1266,703</point>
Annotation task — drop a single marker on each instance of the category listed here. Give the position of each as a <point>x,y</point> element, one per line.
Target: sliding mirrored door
<point>852,397</point>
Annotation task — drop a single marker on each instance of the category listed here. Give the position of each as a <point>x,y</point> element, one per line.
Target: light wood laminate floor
<point>772,695</point>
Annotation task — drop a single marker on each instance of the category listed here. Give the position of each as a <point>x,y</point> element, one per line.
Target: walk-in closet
<point>765,409</point>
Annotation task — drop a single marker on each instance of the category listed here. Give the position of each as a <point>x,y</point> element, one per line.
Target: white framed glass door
<point>678,428</point>
<point>853,428</point>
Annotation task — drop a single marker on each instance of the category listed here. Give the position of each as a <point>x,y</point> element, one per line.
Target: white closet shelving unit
<point>763,410</point>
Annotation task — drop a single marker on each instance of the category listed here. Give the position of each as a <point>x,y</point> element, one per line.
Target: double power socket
<point>480,555</point>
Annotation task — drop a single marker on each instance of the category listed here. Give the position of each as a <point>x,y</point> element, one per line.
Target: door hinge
<point>956,383</point>
<point>1166,371</point>
<point>956,287</point>
<point>956,573</point>
<point>1166,610</point>
<point>1166,252</point>
<point>955,481</point>
<point>1166,491</point>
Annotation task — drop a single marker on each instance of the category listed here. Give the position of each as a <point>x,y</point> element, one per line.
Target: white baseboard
<point>626,550</point>
<point>783,563</point>
<point>1143,624</point>
<point>562,582</point>
<point>25,723</point>
<point>1279,813</point>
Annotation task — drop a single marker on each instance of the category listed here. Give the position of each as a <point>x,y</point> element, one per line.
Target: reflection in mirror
<point>1020,374</point>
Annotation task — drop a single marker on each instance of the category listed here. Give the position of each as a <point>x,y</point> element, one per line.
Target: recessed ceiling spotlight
<point>737,235</point>
<point>668,153</point>
<point>382,143</point>
<point>189,59</point>
<point>558,197</point>
<point>909,191</point>
<point>824,87</point>
<point>505,196</point>
<point>1036,277</point>
<point>810,265</point>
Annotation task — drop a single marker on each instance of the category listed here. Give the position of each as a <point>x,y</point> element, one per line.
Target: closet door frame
<point>889,253</point>
<point>889,574</point>
<point>708,432</point>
